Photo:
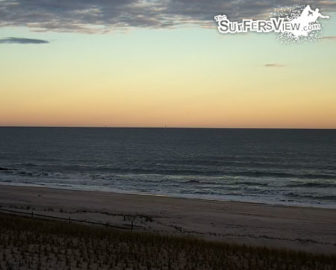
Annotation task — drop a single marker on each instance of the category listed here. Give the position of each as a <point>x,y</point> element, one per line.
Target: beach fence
<point>32,214</point>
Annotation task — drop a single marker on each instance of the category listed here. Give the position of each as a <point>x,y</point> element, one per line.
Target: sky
<point>161,63</point>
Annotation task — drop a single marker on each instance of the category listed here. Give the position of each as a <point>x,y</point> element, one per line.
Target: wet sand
<point>298,228</point>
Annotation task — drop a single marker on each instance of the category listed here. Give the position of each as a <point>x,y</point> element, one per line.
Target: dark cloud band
<point>14,40</point>
<point>276,65</point>
<point>105,15</point>
<point>329,37</point>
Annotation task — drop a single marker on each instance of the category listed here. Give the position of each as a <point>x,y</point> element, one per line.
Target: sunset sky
<point>160,63</point>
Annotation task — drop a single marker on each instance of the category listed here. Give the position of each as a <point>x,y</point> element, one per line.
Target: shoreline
<point>277,204</point>
<point>278,226</point>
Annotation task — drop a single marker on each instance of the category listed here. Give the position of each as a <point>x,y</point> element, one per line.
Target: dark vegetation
<point>31,243</point>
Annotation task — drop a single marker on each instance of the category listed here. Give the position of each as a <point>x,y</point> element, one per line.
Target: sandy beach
<point>306,229</point>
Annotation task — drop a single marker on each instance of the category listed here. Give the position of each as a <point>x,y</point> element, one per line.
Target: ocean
<point>273,166</point>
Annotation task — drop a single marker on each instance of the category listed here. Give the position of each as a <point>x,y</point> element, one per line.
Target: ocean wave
<point>29,164</point>
<point>192,182</point>
<point>46,171</point>
<point>253,183</point>
<point>321,185</point>
<point>245,163</point>
<point>313,197</point>
<point>286,175</point>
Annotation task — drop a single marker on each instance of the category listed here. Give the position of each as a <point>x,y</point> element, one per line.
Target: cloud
<point>329,37</point>
<point>94,16</point>
<point>274,65</point>
<point>14,40</point>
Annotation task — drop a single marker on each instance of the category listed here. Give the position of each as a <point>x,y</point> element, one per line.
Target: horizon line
<point>163,127</point>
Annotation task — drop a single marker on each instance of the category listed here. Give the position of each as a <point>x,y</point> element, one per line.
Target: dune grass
<point>30,243</point>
